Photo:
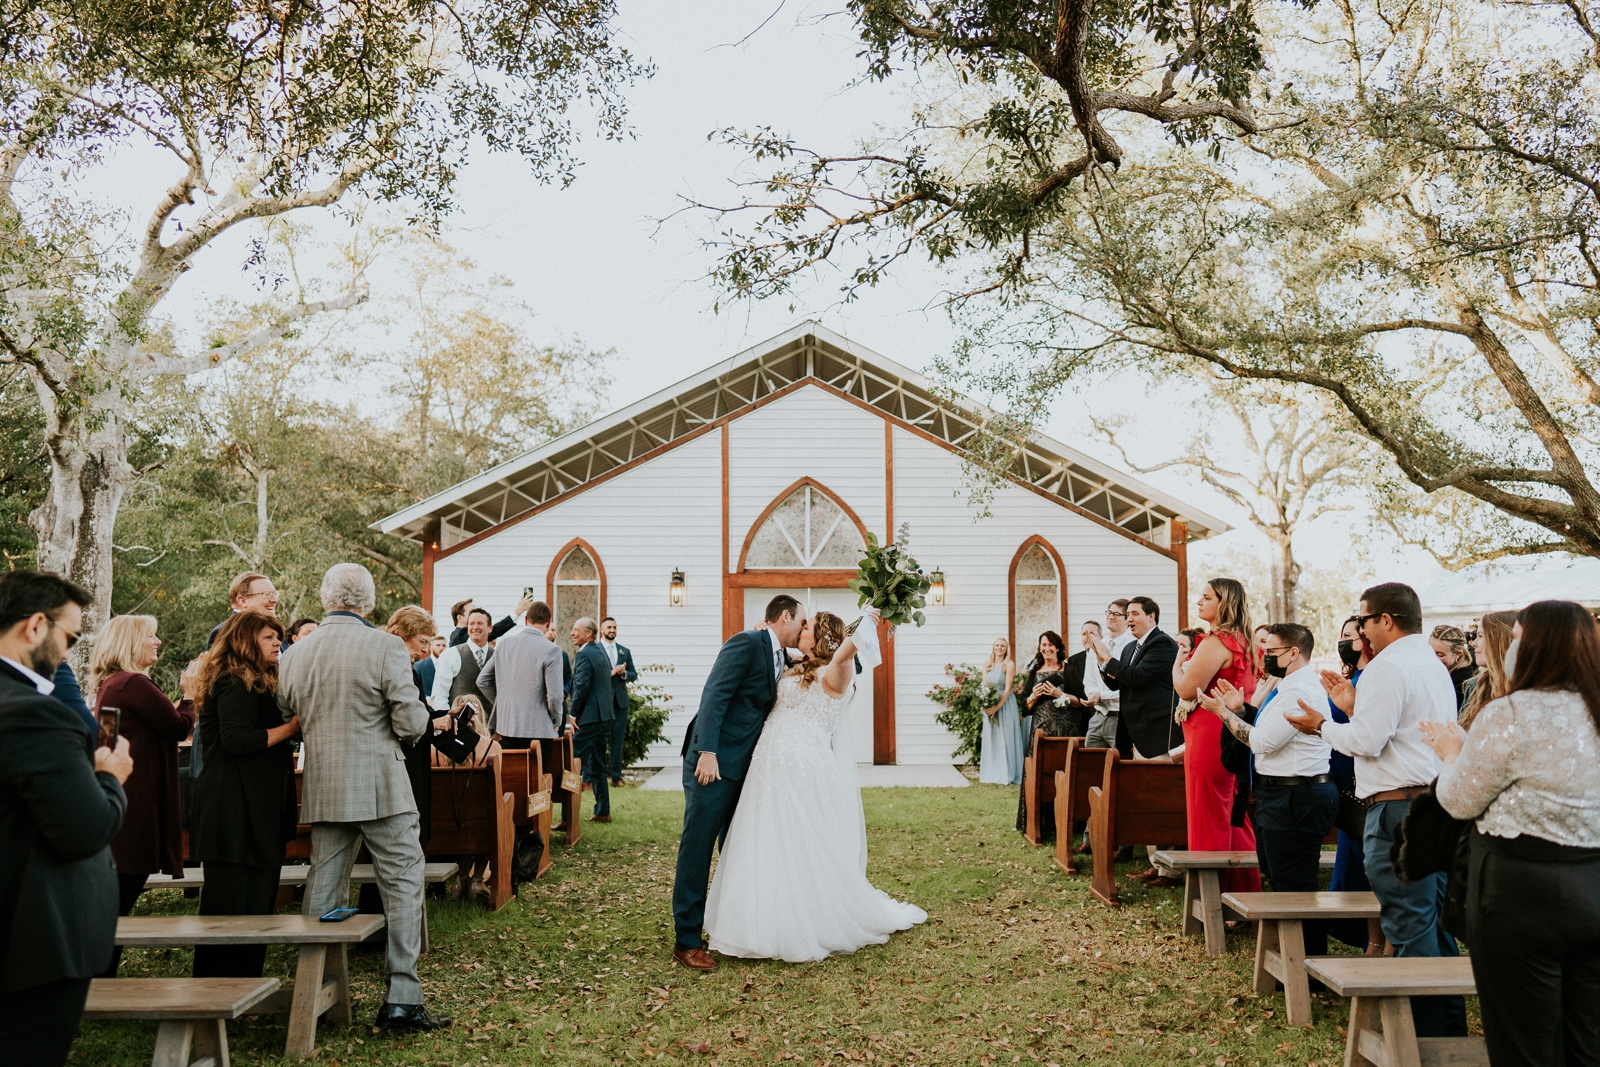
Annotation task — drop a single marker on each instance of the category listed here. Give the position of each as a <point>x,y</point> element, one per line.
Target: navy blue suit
<point>733,708</point>
<point>594,706</point>
<point>619,725</point>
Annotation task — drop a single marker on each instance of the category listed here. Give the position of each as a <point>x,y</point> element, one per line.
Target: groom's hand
<point>705,771</point>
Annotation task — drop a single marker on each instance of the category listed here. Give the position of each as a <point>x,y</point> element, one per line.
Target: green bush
<point>964,701</point>
<point>648,708</point>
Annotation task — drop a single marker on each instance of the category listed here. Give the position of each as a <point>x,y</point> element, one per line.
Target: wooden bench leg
<point>1363,1019</point>
<point>1399,1032</point>
<point>1192,923</point>
<point>210,1043</point>
<point>303,1008</point>
<point>336,971</point>
<point>1292,972</point>
<point>1266,943</point>
<point>174,1038</point>
<point>1211,918</point>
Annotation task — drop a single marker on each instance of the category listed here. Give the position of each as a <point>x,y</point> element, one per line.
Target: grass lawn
<point>1016,964</point>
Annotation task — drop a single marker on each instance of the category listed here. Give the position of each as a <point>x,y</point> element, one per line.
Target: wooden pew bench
<point>294,874</point>
<point>1039,769</point>
<point>1382,1032</point>
<point>472,816</point>
<point>1138,802</point>
<point>1202,894</point>
<point>522,772</point>
<point>1280,938</point>
<point>567,775</point>
<point>193,1013</point>
<point>1083,768</point>
<point>322,976</point>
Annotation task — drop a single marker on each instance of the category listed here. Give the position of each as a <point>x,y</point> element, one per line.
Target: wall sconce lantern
<point>936,592</point>
<point>675,591</point>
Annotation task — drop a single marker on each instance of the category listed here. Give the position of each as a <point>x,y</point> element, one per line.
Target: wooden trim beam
<point>430,553</point>
<point>1179,542</point>
<point>744,550</point>
<point>883,676</point>
<point>732,614</point>
<point>799,579</point>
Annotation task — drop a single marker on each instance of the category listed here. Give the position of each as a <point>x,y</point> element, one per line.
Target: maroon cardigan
<point>151,838</point>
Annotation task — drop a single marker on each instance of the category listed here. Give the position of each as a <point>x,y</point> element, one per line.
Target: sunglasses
<point>72,638</point>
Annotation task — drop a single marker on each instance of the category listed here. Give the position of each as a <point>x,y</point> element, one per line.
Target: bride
<point>791,883</point>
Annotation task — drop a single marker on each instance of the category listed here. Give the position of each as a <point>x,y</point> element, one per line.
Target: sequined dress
<point>791,883</point>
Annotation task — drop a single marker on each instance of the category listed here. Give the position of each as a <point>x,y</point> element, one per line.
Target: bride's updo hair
<point>828,630</point>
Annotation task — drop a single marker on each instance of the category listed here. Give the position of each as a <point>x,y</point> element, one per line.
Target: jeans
<point>1410,917</point>
<point>1291,821</point>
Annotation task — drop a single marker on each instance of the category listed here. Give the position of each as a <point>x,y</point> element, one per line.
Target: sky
<point>612,260</point>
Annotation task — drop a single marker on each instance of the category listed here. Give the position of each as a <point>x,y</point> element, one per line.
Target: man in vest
<point>456,673</point>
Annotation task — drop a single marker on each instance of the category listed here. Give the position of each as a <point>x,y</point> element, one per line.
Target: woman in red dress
<point>1210,787</point>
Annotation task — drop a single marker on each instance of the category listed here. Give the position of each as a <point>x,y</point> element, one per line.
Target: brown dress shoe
<point>1161,882</point>
<point>599,818</point>
<point>696,959</point>
<point>1144,875</point>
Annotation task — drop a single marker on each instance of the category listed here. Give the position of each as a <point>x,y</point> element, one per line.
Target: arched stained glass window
<point>1036,598</point>
<point>578,586</point>
<point>807,530</point>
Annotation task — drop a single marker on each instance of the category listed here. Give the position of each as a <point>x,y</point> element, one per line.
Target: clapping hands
<point>1340,691</point>
<point>1445,738</point>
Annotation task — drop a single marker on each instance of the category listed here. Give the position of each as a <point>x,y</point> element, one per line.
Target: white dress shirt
<point>1110,698</point>
<point>1404,686</point>
<point>449,665</point>
<point>1530,765</point>
<point>41,683</point>
<point>1280,749</point>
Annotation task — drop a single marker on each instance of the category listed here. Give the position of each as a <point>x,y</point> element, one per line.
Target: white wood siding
<point>976,559</point>
<point>642,523</point>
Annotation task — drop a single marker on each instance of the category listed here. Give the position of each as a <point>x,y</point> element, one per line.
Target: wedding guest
<point>456,674</point>
<point>1043,691</point>
<point>1223,655</point>
<point>1187,640</point>
<point>1102,729</point>
<point>61,802</point>
<point>1000,757</point>
<point>298,629</point>
<point>1265,682</point>
<point>1491,682</point>
<point>245,810</point>
<point>1449,643</point>
<point>593,706</point>
<point>68,692</point>
<point>1404,686</point>
<point>1083,685</point>
<point>458,619</point>
<point>1349,861</point>
<point>248,591</point>
<point>151,838</point>
<point>1528,773</point>
<point>463,612</point>
<point>623,673</point>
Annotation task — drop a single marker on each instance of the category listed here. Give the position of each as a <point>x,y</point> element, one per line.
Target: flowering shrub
<point>964,700</point>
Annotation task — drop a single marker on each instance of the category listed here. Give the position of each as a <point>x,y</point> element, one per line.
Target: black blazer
<point>1144,678</point>
<point>244,806</point>
<point>58,888</point>
<point>738,694</point>
<point>1074,669</point>
<point>592,697</point>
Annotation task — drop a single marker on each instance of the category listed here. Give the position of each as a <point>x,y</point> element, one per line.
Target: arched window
<point>805,530</point>
<point>1038,597</point>
<point>577,589</point>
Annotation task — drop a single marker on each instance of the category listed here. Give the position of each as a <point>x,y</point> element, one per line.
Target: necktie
<point>778,663</point>
<point>477,654</point>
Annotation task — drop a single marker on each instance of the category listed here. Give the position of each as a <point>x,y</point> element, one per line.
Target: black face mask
<point>1348,654</point>
<point>1270,664</point>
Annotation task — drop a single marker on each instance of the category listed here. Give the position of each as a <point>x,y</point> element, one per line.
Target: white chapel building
<point>684,513</point>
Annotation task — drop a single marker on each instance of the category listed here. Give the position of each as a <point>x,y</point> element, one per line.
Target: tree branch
<point>181,365</point>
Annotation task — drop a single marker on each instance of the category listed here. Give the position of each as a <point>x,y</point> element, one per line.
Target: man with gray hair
<point>352,687</point>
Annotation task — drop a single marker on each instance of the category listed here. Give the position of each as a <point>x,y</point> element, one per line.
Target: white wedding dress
<point>792,880</point>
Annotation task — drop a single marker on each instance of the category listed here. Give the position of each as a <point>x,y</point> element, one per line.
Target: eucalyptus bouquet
<point>889,579</point>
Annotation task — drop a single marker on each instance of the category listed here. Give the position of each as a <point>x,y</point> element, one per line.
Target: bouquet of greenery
<point>890,580</point>
<point>964,703</point>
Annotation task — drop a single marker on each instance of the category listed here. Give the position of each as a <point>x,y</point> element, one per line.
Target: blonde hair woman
<point>1449,643</point>
<point>1495,631</point>
<point>1223,654</point>
<point>151,838</point>
<point>1000,757</point>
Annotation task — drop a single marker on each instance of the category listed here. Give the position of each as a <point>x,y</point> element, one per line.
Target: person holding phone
<point>245,810</point>
<point>61,802</point>
<point>151,838</point>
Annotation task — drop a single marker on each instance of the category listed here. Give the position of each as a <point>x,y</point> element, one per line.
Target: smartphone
<point>339,915</point>
<point>528,591</point>
<point>110,727</point>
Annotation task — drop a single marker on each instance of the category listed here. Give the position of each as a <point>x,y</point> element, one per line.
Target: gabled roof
<point>811,352</point>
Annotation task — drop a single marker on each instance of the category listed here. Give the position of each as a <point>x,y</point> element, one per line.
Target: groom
<point>716,750</point>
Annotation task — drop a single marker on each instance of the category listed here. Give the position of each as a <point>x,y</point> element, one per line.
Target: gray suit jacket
<point>352,687</point>
<point>524,679</point>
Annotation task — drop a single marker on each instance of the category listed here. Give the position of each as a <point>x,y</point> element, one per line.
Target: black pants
<point>1533,925</point>
<point>38,1024</point>
<point>619,738</point>
<point>129,887</point>
<point>592,740</point>
<point>235,889</point>
<point>1291,821</point>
